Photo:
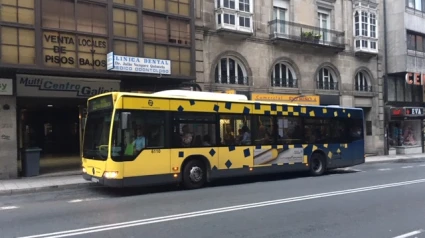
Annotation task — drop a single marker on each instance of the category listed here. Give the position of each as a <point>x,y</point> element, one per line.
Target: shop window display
<point>405,133</point>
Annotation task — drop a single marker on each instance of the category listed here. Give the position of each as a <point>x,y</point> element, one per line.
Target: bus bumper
<point>104,181</point>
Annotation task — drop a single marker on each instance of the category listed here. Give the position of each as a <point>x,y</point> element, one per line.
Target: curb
<point>399,160</point>
<point>47,188</point>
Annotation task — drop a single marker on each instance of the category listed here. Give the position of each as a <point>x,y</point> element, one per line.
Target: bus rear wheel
<point>317,164</point>
<point>194,174</point>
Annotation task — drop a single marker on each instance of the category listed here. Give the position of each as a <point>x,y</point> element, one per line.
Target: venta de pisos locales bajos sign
<point>71,50</point>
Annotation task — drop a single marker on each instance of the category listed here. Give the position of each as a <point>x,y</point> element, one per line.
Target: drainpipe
<point>385,91</point>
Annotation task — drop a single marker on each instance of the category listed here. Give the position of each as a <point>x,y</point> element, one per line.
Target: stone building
<point>57,53</point>
<point>311,51</point>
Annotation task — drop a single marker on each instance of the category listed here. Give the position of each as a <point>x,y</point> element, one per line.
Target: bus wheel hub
<point>196,174</point>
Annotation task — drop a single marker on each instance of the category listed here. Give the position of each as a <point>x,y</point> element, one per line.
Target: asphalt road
<point>372,200</point>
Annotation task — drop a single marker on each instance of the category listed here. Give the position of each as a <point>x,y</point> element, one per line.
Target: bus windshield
<point>96,135</point>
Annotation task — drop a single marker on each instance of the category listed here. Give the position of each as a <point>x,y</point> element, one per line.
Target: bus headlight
<point>110,175</point>
<point>84,170</point>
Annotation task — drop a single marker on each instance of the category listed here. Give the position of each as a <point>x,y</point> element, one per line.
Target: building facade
<point>405,66</point>
<point>57,53</point>
<point>309,51</point>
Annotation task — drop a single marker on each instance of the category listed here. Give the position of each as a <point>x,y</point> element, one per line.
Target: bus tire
<point>194,174</point>
<point>317,164</point>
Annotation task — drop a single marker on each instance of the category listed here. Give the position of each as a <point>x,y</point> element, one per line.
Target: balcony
<point>367,89</point>
<point>327,86</point>
<point>365,46</point>
<point>233,23</point>
<point>232,79</point>
<point>285,31</point>
<point>283,83</point>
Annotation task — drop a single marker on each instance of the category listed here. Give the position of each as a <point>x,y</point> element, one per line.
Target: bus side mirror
<point>125,119</point>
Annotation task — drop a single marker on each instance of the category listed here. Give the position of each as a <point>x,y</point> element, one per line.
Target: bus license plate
<point>96,180</point>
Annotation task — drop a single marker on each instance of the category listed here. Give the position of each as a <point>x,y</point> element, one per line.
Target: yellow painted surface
<point>149,162</point>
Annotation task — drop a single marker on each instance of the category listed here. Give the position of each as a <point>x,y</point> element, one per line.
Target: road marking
<point>386,169</point>
<point>84,200</point>
<point>407,167</point>
<point>422,165</point>
<point>410,234</point>
<point>8,208</point>
<point>153,220</point>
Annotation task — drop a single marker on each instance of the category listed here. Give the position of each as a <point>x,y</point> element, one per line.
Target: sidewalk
<point>72,180</point>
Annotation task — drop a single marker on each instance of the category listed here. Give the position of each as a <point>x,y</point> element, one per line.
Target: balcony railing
<point>284,83</point>
<point>326,85</point>
<point>363,88</point>
<point>239,80</point>
<point>280,29</point>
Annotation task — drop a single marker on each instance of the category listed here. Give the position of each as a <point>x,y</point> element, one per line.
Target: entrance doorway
<point>54,125</point>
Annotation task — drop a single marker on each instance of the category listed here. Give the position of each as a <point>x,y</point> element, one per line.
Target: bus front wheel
<point>194,174</point>
<point>317,164</point>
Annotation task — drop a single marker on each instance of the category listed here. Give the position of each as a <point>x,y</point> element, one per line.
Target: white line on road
<point>410,234</point>
<point>385,169</point>
<point>422,165</point>
<point>8,208</point>
<point>143,222</point>
<point>84,200</point>
<point>407,167</point>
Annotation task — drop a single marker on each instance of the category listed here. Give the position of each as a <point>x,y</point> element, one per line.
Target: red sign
<point>397,112</point>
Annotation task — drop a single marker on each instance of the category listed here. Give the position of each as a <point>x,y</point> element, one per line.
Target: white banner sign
<point>50,86</point>
<point>137,65</point>
<point>6,87</point>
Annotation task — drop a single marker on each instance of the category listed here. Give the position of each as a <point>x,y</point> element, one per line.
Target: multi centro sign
<point>48,86</point>
<point>137,64</point>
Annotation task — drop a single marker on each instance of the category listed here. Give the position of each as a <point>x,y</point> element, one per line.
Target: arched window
<point>326,79</point>
<point>362,82</point>
<point>283,75</point>
<point>230,71</point>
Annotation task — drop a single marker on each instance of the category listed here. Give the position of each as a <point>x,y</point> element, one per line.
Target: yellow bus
<point>177,136</point>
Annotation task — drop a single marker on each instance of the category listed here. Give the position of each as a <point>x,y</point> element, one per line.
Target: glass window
<point>235,130</point>
<point>92,52</point>
<point>126,2</point>
<point>356,24</point>
<point>58,14</point>
<point>155,28</point>
<point>180,61</point>
<point>125,23</point>
<point>180,7</point>
<point>411,41</point>
<point>194,130</point>
<point>126,48</point>
<point>289,130</point>
<point>283,76</point>
<point>179,32</point>
<point>145,130</point>
<point>230,71</point>
<point>17,46</point>
<point>325,80</point>
<point>263,130</point>
<point>18,11</point>
<point>317,130</point>
<point>355,129</point>
<point>158,5</point>
<point>92,18</point>
<point>155,51</point>
<point>96,135</point>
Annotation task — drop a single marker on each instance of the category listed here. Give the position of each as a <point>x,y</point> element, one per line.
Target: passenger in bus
<point>229,137</point>
<point>206,140</point>
<point>263,137</point>
<point>140,142</point>
<point>186,136</point>
<point>246,138</point>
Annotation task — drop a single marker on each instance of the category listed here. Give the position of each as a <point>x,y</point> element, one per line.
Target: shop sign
<point>415,78</point>
<point>407,111</point>
<point>61,50</point>
<point>6,87</point>
<point>137,65</point>
<point>287,98</point>
<point>62,87</point>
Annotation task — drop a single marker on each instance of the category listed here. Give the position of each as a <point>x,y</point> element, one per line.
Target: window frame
<point>365,39</point>
<point>284,82</point>
<point>218,75</point>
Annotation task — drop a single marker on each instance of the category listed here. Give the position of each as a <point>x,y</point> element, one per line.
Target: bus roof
<point>211,96</point>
